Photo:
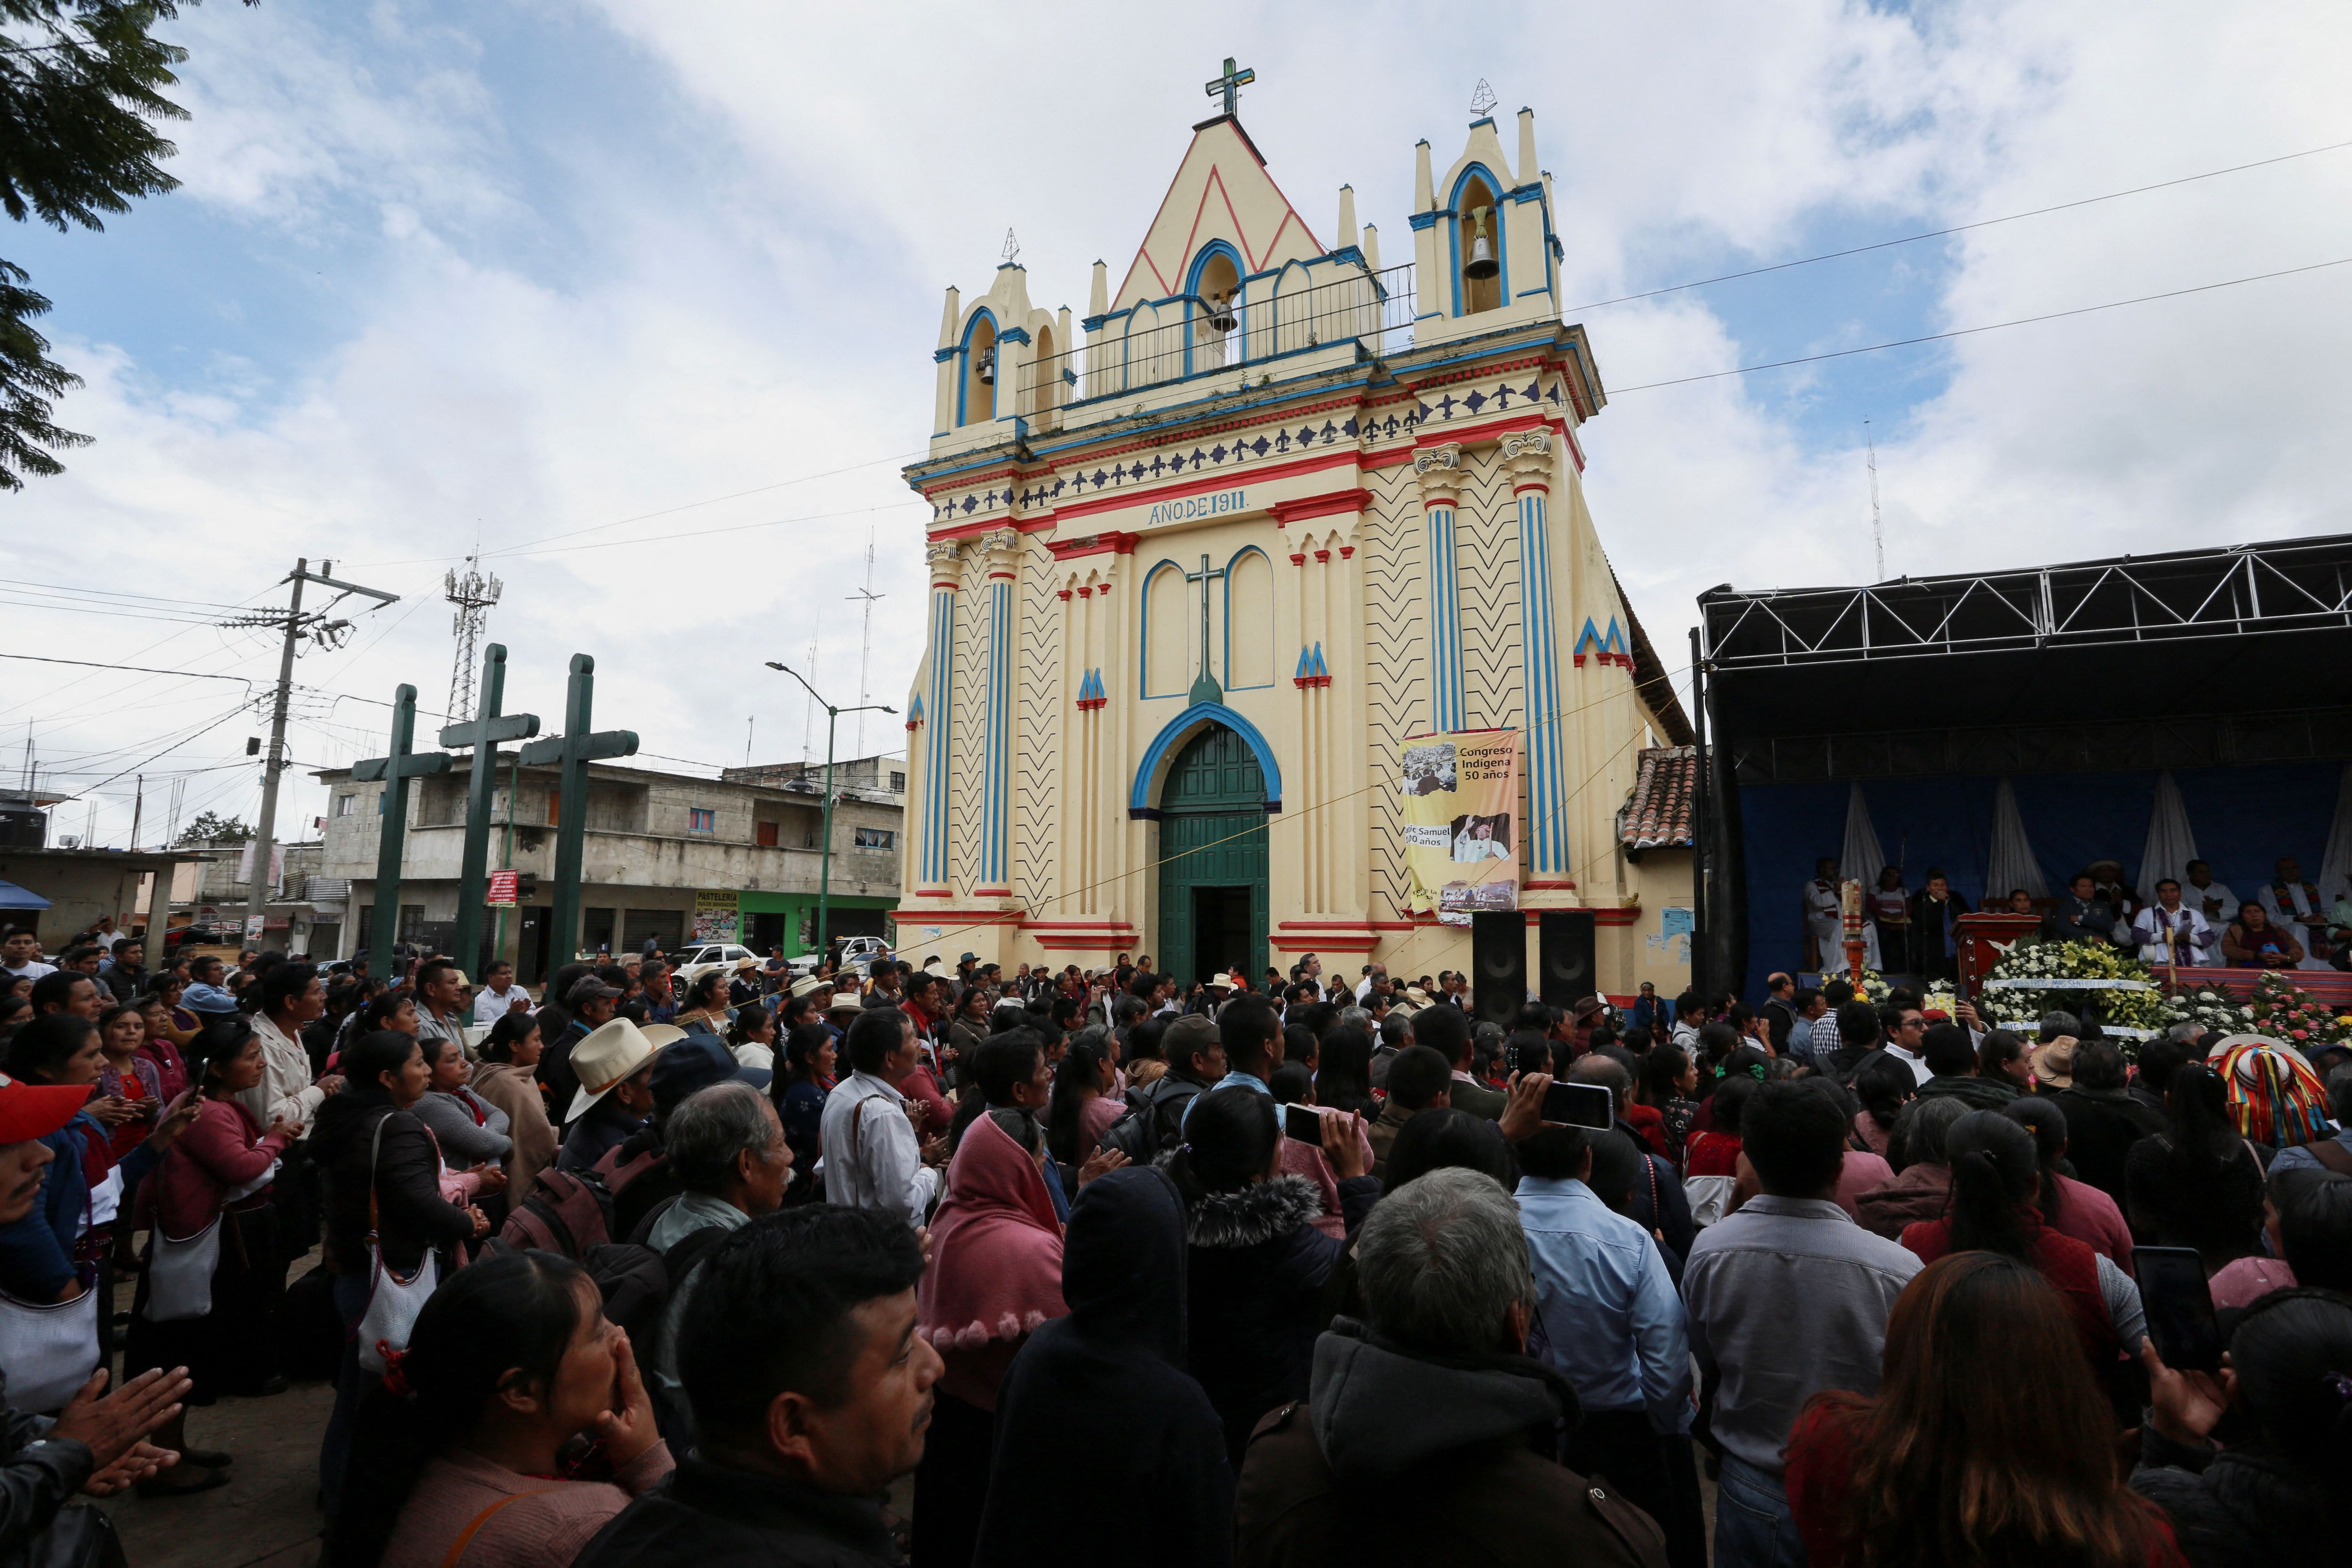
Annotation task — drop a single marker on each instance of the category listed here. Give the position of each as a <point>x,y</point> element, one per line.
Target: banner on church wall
<point>715,917</point>
<point>1461,796</point>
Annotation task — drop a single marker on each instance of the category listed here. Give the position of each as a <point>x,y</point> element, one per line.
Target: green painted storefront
<point>788,921</point>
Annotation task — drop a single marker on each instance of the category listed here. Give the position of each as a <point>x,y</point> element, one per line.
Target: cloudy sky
<point>639,297</point>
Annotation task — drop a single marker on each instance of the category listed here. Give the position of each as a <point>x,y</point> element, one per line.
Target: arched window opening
<point>1217,312</point>
<point>1478,230</point>
<point>979,372</point>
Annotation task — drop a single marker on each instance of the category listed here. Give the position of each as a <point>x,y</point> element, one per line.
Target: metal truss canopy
<point>2248,628</point>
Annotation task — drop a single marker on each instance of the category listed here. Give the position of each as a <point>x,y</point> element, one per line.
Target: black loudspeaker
<point>1498,965</point>
<point>1566,975</point>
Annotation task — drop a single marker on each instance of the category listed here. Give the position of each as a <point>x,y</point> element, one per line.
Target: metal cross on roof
<point>1483,101</point>
<point>1011,251</point>
<point>1229,86</point>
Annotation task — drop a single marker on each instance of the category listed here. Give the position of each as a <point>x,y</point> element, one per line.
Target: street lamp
<point>824,866</point>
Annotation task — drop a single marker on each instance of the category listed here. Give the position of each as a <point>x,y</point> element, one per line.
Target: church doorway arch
<point>1212,860</point>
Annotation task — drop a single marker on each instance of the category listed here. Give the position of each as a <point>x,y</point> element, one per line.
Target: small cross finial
<point>1483,101</point>
<point>1011,251</point>
<point>1229,86</point>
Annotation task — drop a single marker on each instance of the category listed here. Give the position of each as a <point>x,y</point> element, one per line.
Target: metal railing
<point>1190,336</point>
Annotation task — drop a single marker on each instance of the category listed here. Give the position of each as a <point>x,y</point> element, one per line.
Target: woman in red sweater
<point>1948,1466</point>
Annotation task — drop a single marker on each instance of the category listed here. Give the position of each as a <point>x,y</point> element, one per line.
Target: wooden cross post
<point>571,752</point>
<point>391,838</point>
<point>1206,689</point>
<point>483,734</point>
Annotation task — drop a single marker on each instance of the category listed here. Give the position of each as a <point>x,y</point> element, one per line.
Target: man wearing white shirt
<point>499,995</point>
<point>871,1157</point>
<point>2294,905</point>
<point>23,956</point>
<point>2169,932</point>
<point>2210,898</point>
<point>1824,917</point>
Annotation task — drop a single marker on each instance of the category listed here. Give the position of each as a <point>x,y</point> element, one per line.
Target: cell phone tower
<point>866,634</point>
<point>473,593</point>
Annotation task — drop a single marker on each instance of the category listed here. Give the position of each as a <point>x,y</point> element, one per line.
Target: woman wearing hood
<point>1114,1371</point>
<point>1258,1262</point>
<point>995,1276</point>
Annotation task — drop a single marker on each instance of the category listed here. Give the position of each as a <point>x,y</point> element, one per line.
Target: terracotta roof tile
<point>1658,812</point>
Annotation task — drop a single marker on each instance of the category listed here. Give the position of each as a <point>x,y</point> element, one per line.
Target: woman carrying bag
<point>386,1218</point>
<point>209,1295</point>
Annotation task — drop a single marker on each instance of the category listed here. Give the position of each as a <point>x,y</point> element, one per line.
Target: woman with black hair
<point>2199,1183</point>
<point>799,1091</point>
<point>1666,1080</point>
<point>1343,1075</point>
<point>705,1010</point>
<point>1257,1262</point>
<point>1080,1107</point>
<point>381,1172</point>
<point>2071,1207</point>
<point>1996,1177</point>
<point>215,1321</point>
<point>1884,1085</point>
<point>463,1453</point>
<point>2279,1497</point>
<point>1441,1138</point>
<point>506,1077</point>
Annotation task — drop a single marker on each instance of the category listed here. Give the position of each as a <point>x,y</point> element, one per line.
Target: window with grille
<point>873,838</point>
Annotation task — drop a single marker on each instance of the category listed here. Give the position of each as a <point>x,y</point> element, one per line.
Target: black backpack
<point>1156,1124</point>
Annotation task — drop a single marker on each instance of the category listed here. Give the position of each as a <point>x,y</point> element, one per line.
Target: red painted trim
<point>1298,560</point>
<point>1536,887</point>
<point>1000,576</point>
<point>1323,944</point>
<point>989,525</point>
<point>1093,544</point>
<point>950,587</point>
<point>1263,474</point>
<point>1346,551</point>
<point>933,893</point>
<point>969,917</point>
<point>1078,925</point>
<point>1322,555</point>
<point>1323,925</point>
<point>1064,594</point>
<point>1541,486</point>
<point>1326,505</point>
<point>992,892</point>
<point>1388,460</point>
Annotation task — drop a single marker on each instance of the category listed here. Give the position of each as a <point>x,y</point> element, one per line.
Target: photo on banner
<point>1461,796</point>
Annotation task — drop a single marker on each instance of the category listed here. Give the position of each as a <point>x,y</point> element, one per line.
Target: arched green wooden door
<point>1212,897</point>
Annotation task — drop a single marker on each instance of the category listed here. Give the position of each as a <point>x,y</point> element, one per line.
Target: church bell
<point>988,365</point>
<point>1221,312</point>
<point>1481,263</point>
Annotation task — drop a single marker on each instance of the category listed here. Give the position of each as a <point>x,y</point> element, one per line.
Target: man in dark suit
<point>2082,915</point>
<point>1936,913</point>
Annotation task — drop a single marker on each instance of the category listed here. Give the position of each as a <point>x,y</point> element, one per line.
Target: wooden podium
<point>1981,938</point>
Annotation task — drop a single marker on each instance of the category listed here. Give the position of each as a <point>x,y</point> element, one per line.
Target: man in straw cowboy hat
<point>614,1067</point>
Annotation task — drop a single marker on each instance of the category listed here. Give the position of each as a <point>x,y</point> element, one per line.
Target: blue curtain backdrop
<point>2244,819</point>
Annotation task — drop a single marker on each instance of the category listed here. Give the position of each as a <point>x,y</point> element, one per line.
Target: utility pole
<point>294,624</point>
<point>824,861</point>
<point>138,805</point>
<point>866,613</point>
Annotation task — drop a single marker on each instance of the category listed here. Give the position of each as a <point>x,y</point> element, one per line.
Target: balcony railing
<point>1187,336</point>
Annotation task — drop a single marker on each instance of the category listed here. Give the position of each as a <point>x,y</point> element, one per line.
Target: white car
<point>698,961</point>
<point>856,954</point>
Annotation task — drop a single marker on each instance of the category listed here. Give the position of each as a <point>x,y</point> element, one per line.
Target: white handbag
<point>48,1349</point>
<point>392,1301</point>
<point>180,1274</point>
<point>1708,1196</point>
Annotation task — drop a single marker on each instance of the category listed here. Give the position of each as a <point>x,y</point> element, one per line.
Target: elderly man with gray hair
<point>1435,1391</point>
<point>727,1149</point>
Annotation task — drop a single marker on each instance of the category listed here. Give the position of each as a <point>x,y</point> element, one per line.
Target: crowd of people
<point>1077,1265</point>
<point>2288,923</point>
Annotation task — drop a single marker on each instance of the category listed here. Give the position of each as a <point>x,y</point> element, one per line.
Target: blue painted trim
<point>1228,584</point>
<point>1094,323</point>
<point>1191,296</point>
<point>1347,253</point>
<point>1532,192</point>
<point>942,356</point>
<point>937,749</point>
<point>1014,335</point>
<point>1525,293</point>
<point>1488,120</point>
<point>1547,799</point>
<point>996,737</point>
<point>1446,706</point>
<point>1424,220</point>
<point>963,374</point>
<point>1143,633</point>
<point>1150,773</point>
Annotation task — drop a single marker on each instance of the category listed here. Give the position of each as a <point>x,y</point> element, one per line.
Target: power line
<point>1991,327</point>
<point>138,669</point>
<point>1961,228</point>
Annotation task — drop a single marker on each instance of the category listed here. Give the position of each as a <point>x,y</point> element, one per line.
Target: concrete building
<point>303,915</point>
<point>62,893</point>
<point>668,856</point>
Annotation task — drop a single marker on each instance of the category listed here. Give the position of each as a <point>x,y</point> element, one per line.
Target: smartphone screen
<point>2179,1307</point>
<point>1301,1122</point>
<point>1578,1104</point>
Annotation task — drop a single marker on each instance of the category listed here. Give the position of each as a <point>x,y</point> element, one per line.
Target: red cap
<point>30,1110</point>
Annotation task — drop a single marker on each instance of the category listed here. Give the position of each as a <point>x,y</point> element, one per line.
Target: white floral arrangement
<point>2211,1010</point>
<point>2138,1004</point>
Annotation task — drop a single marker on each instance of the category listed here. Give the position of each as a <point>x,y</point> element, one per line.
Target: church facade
<point>1203,561</point>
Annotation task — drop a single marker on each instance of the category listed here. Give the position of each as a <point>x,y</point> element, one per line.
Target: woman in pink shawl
<point>995,1274</point>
